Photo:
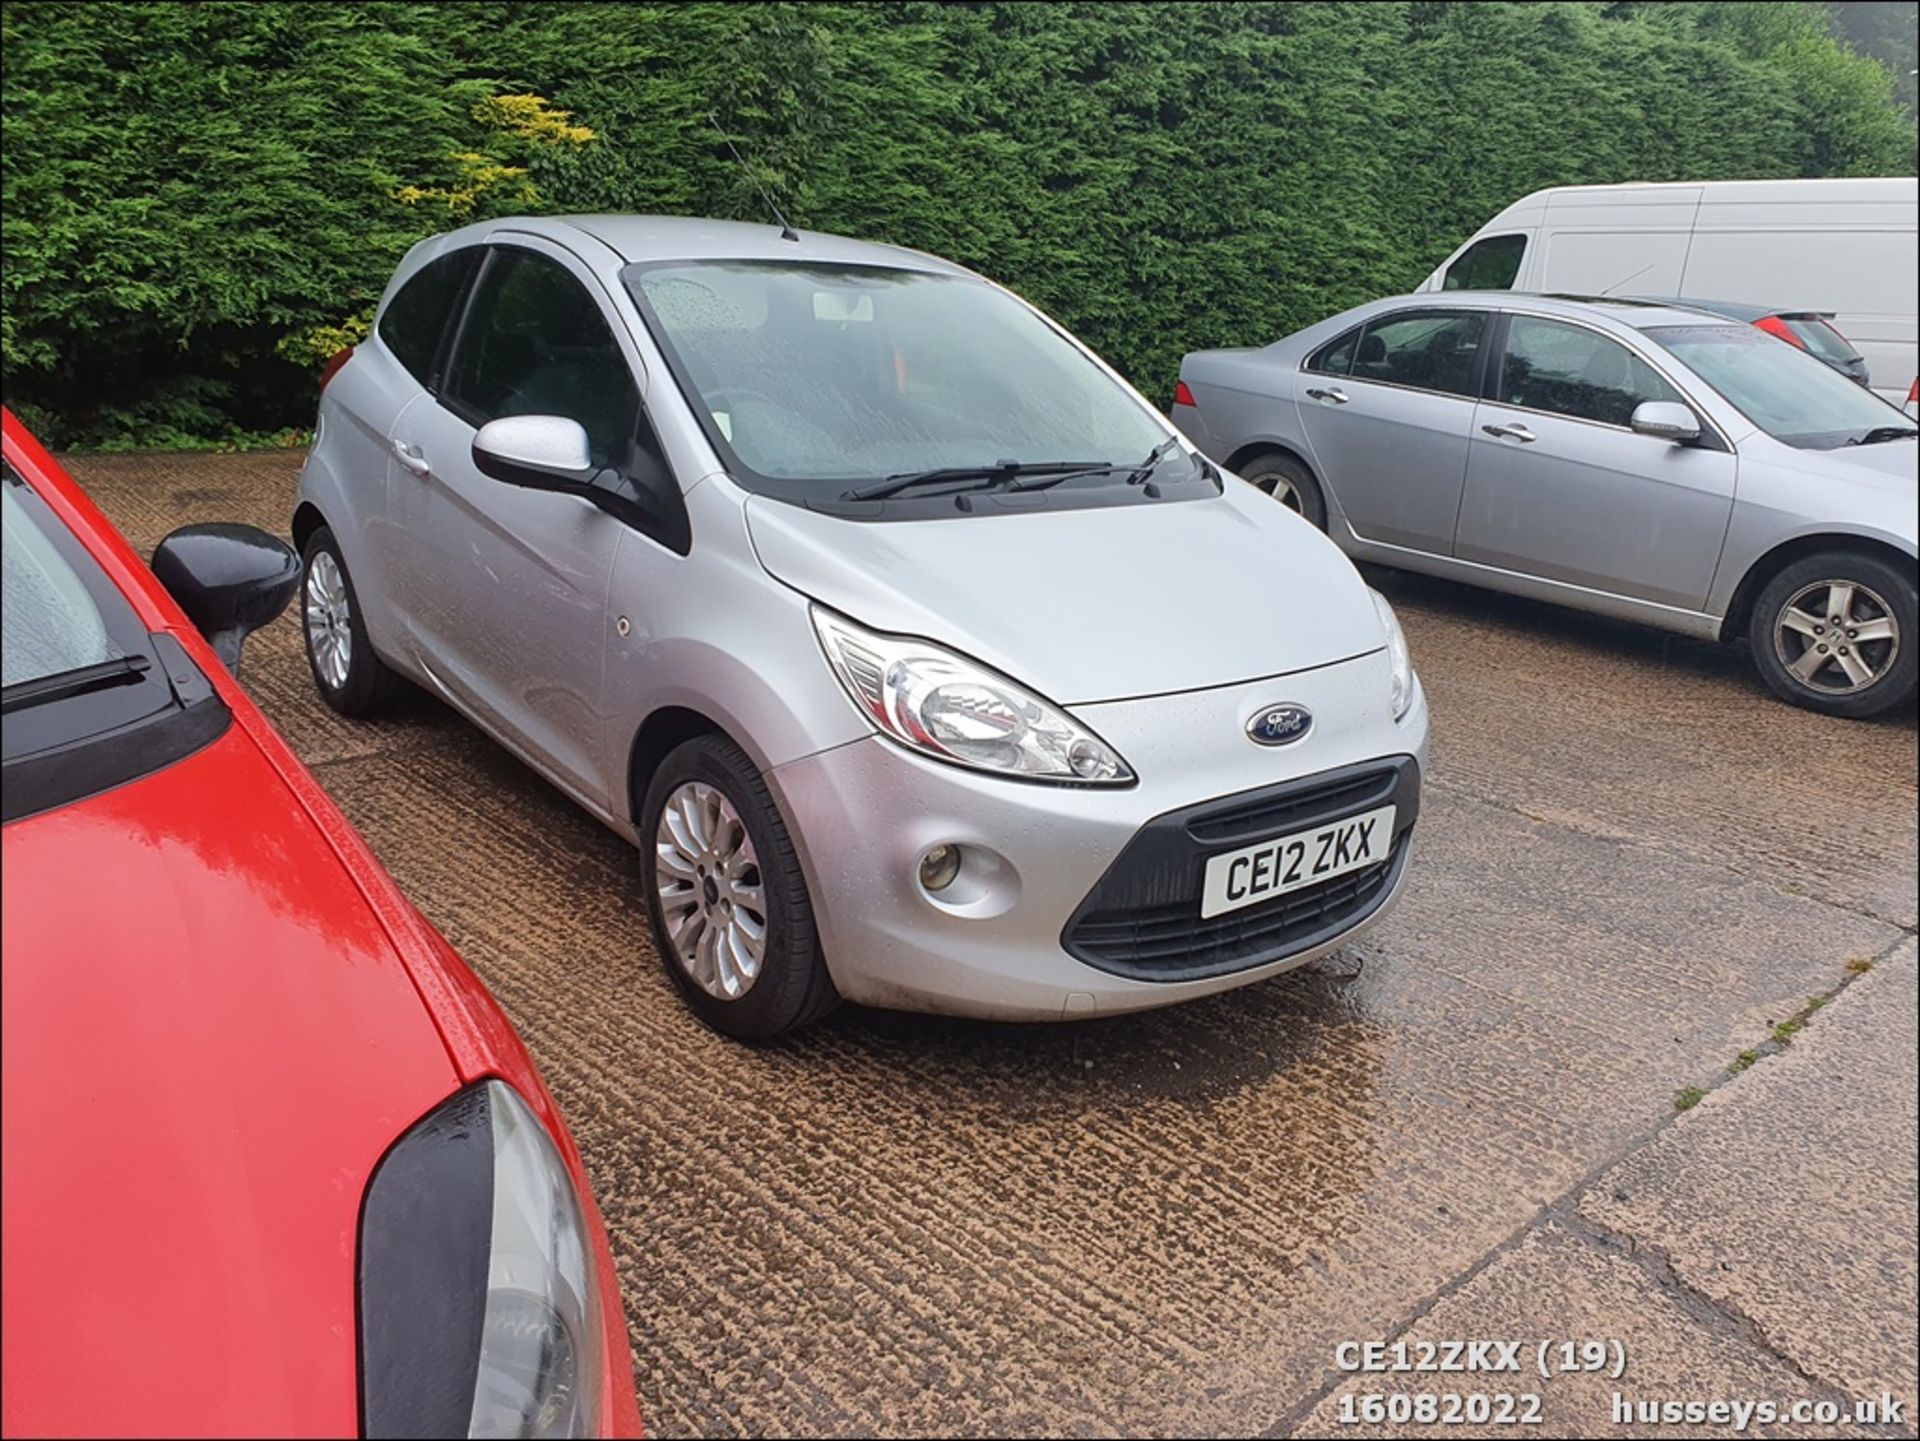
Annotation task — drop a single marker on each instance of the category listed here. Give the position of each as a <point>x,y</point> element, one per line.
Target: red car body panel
<point>218,1014</point>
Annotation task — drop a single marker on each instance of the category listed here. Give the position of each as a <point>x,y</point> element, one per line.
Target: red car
<point>274,1161</point>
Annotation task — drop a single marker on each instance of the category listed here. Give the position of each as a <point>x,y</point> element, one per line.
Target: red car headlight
<point>478,1309</point>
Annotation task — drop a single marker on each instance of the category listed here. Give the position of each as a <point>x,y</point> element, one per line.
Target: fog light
<point>939,867</point>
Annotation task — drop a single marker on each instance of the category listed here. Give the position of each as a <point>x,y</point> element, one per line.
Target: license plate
<point>1267,869</point>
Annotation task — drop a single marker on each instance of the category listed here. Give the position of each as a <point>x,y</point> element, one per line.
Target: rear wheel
<point>350,677</point>
<point>729,904</point>
<point>1290,483</point>
<point>1836,633</point>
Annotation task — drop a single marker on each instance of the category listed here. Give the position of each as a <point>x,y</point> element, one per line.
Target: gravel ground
<point>1632,864</point>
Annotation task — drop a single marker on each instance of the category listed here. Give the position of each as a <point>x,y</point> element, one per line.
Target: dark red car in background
<point>274,1161</point>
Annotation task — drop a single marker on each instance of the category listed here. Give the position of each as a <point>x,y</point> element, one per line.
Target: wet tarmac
<point>1632,864</point>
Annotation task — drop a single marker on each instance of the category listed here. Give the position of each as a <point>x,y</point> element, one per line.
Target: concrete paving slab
<point>1791,1196</point>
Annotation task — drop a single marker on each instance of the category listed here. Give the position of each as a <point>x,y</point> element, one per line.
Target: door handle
<point>1511,432</point>
<point>1333,394</point>
<point>412,457</point>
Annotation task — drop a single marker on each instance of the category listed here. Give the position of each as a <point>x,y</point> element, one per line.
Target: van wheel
<point>1290,483</point>
<point>726,895</point>
<point>351,678</point>
<point>1836,633</point>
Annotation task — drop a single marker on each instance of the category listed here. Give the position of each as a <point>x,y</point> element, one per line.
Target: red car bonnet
<point>218,1014</point>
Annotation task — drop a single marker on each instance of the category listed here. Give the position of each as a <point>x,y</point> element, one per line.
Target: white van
<point>1841,246</point>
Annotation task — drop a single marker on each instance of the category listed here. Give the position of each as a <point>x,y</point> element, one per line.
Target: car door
<point>1560,486</point>
<point>1387,409</point>
<point>505,590</point>
<point>389,372</point>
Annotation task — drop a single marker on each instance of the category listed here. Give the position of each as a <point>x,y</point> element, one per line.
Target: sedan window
<point>1336,356</point>
<point>1571,370</point>
<point>535,343</point>
<point>1795,398</point>
<point>1424,350</point>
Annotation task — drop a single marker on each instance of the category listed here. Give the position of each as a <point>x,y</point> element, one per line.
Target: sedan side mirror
<point>229,579</point>
<point>1666,420</point>
<point>546,452</point>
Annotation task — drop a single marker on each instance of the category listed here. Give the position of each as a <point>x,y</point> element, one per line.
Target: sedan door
<point>1388,409</point>
<point>506,587</point>
<point>1561,487</point>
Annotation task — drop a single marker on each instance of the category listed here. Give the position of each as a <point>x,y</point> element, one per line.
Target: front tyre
<point>350,677</point>
<point>726,896</point>
<point>1836,633</point>
<point>1290,483</point>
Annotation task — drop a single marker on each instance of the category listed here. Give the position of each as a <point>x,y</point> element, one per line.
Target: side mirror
<point>229,579</point>
<point>1666,420</point>
<point>547,452</point>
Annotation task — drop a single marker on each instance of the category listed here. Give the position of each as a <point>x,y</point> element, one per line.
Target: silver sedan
<point>1646,461</point>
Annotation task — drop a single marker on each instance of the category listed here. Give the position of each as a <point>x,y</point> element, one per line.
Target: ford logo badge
<point>1280,725</point>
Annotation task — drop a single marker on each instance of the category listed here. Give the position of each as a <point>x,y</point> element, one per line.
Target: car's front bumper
<point>991,944</point>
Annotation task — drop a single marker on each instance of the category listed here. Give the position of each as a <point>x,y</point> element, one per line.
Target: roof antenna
<point>1635,276</point>
<point>787,232</point>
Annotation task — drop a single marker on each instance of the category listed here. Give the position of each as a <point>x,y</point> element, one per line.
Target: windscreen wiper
<point>1163,451</point>
<point>1001,472</point>
<point>1884,432</point>
<point>99,676</point>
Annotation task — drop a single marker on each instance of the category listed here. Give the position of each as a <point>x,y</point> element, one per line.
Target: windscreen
<point>814,377</point>
<point>1786,392</point>
<point>49,623</point>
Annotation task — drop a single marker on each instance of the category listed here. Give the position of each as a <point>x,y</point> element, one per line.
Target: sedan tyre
<point>1836,633</point>
<point>350,677</point>
<point>1290,483</point>
<point>726,895</point>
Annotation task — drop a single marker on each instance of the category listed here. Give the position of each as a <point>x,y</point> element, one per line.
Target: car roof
<point>684,237</point>
<point>1637,314</point>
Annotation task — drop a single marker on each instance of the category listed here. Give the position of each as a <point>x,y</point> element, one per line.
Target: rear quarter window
<point>415,320</point>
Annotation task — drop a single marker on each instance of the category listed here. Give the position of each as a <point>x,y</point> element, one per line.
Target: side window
<point>1570,370</point>
<point>535,343</point>
<point>1424,350</point>
<point>416,317</point>
<point>1336,356</point>
<point>1490,264</point>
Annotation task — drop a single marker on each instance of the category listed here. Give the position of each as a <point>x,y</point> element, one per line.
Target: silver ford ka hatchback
<point>926,665</point>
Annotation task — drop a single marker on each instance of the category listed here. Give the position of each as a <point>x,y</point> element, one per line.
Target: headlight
<point>478,1310</point>
<point>947,706</point>
<point>1401,661</point>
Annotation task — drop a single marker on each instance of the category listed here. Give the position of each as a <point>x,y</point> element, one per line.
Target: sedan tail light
<point>1181,395</point>
<point>332,367</point>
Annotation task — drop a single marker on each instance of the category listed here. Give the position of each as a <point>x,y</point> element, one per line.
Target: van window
<point>414,319</point>
<point>1570,370</point>
<point>1423,350</point>
<point>1489,264</point>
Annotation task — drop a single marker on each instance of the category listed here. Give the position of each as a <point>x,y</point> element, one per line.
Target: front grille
<point>1243,822</point>
<point>1142,920</point>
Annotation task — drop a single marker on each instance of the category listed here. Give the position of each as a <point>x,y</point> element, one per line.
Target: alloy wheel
<point>1286,492</point>
<point>328,617</point>
<point>711,893</point>
<point>1836,637</point>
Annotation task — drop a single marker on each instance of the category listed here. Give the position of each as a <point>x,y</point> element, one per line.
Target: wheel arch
<point>1254,449</point>
<point>306,520</point>
<point>1740,609</point>
<point>659,734</point>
